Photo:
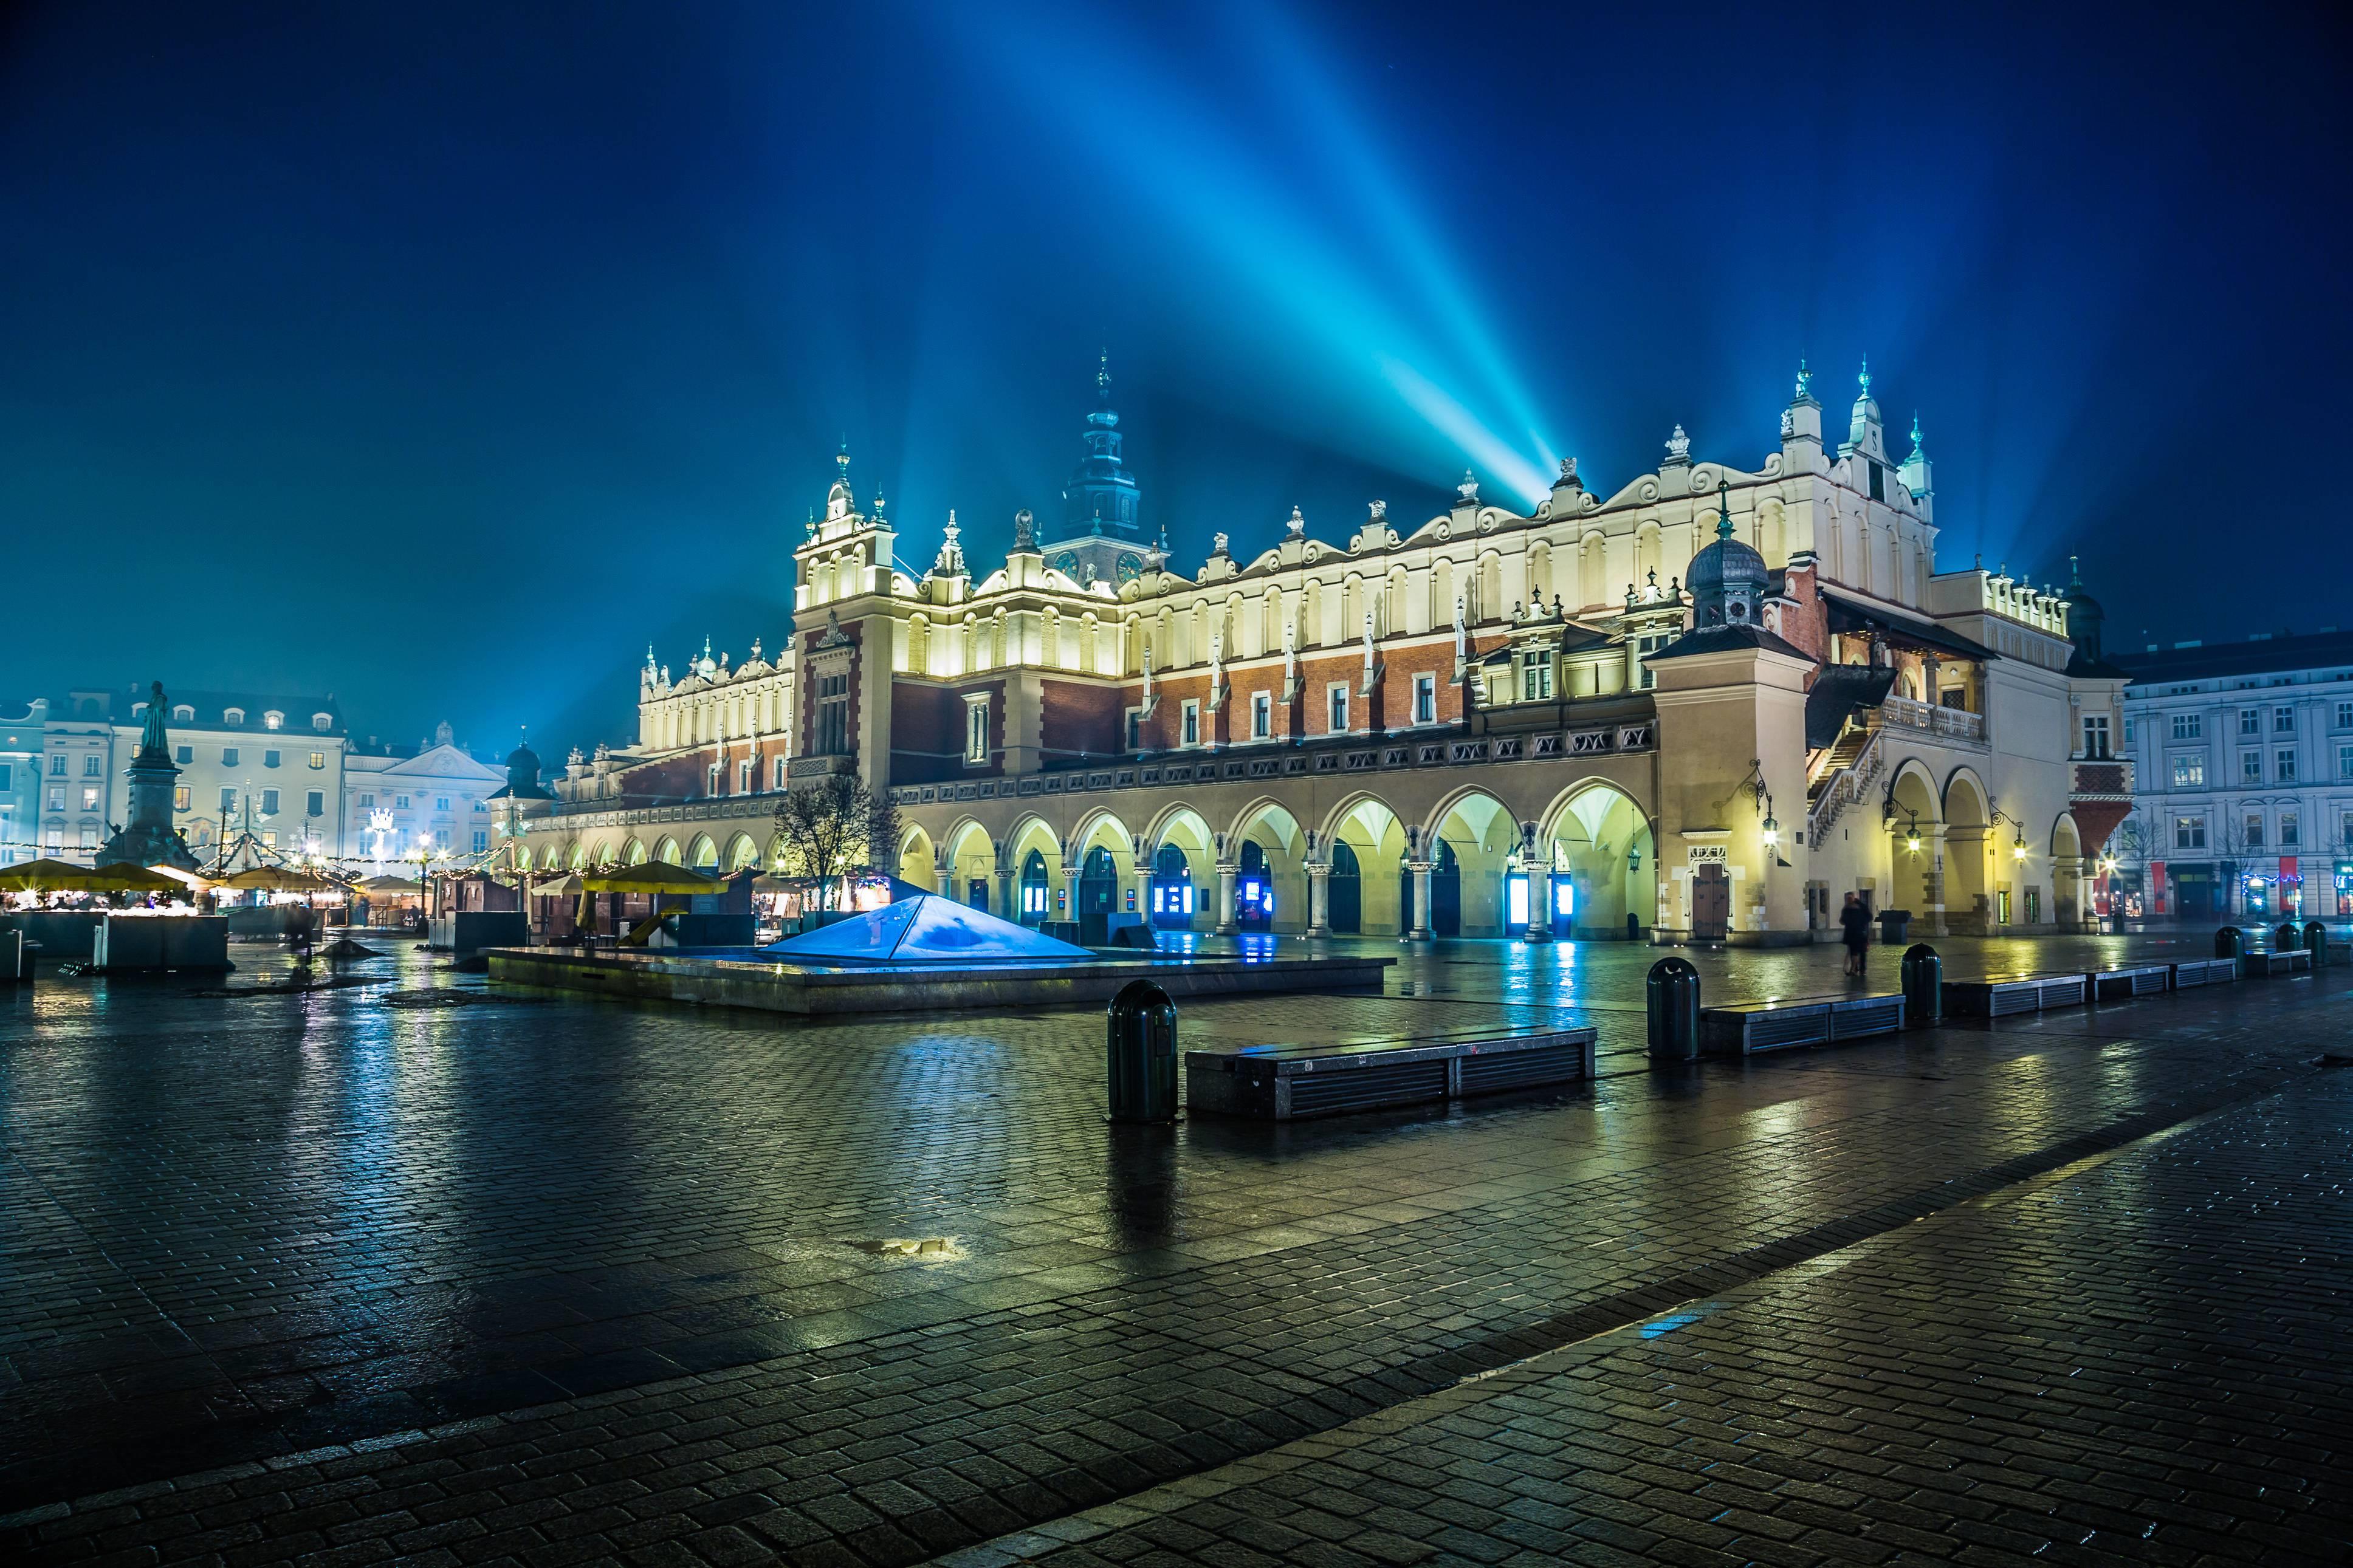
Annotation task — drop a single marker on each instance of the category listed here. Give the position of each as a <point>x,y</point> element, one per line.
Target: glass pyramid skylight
<point>926,929</point>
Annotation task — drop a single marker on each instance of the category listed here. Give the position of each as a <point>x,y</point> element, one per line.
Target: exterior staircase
<point>1837,775</point>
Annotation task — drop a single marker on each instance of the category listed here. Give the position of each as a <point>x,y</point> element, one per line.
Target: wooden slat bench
<point>1745,1028</point>
<point>2002,995</point>
<point>1289,1083</point>
<point>2126,982</point>
<point>2192,971</point>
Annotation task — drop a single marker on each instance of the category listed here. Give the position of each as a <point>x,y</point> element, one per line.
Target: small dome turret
<point>1728,579</point>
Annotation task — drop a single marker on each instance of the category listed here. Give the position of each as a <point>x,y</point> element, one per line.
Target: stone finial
<point>1467,491</point>
<point>1217,544</point>
<point>1805,380</point>
<point>1568,476</point>
<point>1297,525</point>
<point>1679,446</point>
<point>1024,530</point>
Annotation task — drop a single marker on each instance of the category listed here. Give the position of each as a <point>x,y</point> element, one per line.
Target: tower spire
<point>1722,508</point>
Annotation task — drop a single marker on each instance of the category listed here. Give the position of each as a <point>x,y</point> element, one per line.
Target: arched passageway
<point>1171,889</point>
<point>1347,890</point>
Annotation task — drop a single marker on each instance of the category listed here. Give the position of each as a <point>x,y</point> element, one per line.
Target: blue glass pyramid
<point>926,929</point>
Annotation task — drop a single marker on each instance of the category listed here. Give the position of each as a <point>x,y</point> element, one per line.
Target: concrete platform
<point>821,991</point>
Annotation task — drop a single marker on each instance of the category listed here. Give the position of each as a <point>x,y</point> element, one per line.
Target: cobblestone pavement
<point>341,1273</point>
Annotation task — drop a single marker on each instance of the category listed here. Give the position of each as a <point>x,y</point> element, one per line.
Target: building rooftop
<point>2261,655</point>
<point>209,710</point>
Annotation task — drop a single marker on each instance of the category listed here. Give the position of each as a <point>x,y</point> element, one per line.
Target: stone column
<point>1142,893</point>
<point>1419,930</point>
<point>1227,925</point>
<point>1932,879</point>
<point>1319,898</point>
<point>1540,903</point>
<point>1004,895</point>
<point>945,870</point>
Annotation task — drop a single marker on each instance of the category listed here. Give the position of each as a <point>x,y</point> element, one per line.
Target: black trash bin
<point>1140,1035</point>
<point>2316,943</point>
<point>2289,937</point>
<point>1924,985</point>
<point>1674,1000</point>
<point>1894,924</point>
<point>2229,943</point>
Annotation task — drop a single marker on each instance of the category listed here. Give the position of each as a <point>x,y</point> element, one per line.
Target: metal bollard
<point>1674,1002</point>
<point>1139,1039</point>
<point>1924,985</point>
<point>2229,943</point>
<point>2316,943</point>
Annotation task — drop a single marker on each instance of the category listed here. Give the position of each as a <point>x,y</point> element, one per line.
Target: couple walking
<point>1854,924</point>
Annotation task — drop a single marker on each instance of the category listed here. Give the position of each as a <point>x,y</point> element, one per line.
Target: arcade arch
<point>1372,838</point>
<point>1968,847</point>
<point>1473,844</point>
<point>1599,841</point>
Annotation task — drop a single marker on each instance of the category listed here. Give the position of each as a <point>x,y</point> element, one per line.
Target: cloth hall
<point>1704,706</point>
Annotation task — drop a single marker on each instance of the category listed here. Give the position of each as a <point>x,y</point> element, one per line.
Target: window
<point>56,840</point>
<point>2251,767</point>
<point>229,756</point>
<point>2283,721</point>
<point>484,806</point>
<point>89,835</point>
<point>270,839</point>
<point>833,716</point>
<point>1190,732</point>
<point>1338,698</point>
<point>440,803</point>
<point>400,802</point>
<point>2346,830</point>
<point>7,777</point>
<point>2289,830</point>
<point>975,730</point>
<point>780,775</point>
<point>742,778</point>
<point>183,755</point>
<point>93,766</point>
<point>2131,725</point>
<point>233,716</point>
<point>269,803</point>
<point>58,766</point>
<point>442,838</point>
<point>314,803</point>
<point>1135,729</point>
<point>366,801</point>
<point>2096,736</point>
<point>182,797</point>
<point>1425,700</point>
<point>1262,716</point>
<point>57,797</point>
<point>2189,832</point>
<point>318,759</point>
<point>1643,649</point>
<point>2345,715</point>
<point>2255,830</point>
<point>2189,770</point>
<point>272,720</point>
<point>481,839</point>
<point>2250,721</point>
<point>2188,726</point>
<point>228,798</point>
<point>2284,763</point>
<point>2345,762</point>
<point>271,759</point>
<point>182,713</point>
<point>1536,675</point>
<point>89,797</point>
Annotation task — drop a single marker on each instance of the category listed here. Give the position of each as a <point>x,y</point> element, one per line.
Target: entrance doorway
<point>1098,893</point>
<point>1343,900</point>
<point>1254,889</point>
<point>1711,904</point>
<point>1171,889</point>
<point>1033,888</point>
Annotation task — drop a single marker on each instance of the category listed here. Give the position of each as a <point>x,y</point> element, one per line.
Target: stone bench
<point>2267,964</point>
<point>1289,1083</point>
<point>1744,1028</point>
<point>2002,995</point>
<point>2128,981</point>
<point>2192,971</point>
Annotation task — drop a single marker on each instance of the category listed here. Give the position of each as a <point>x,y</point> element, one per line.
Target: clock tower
<point>1102,540</point>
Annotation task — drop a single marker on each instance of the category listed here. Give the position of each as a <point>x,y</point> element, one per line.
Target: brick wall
<point>927,731</point>
<point>1075,718</point>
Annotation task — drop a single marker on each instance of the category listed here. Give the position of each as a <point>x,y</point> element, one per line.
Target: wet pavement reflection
<point>251,1225</point>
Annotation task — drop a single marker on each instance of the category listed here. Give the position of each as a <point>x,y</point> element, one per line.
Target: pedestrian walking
<point>1854,921</point>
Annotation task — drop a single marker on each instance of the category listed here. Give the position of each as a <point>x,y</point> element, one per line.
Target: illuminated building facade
<point>436,792</point>
<point>1708,703</point>
<point>2244,755</point>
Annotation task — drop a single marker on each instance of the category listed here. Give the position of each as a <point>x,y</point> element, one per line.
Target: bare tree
<point>833,827</point>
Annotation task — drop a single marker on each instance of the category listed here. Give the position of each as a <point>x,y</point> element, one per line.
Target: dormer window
<point>273,720</point>
<point>183,714</point>
<point>233,716</point>
<point>1536,675</point>
<point>322,723</point>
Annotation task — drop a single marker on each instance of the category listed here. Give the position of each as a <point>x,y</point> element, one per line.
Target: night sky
<point>443,357</point>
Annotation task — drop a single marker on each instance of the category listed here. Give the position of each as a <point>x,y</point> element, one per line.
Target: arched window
<point>233,716</point>
<point>1033,888</point>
